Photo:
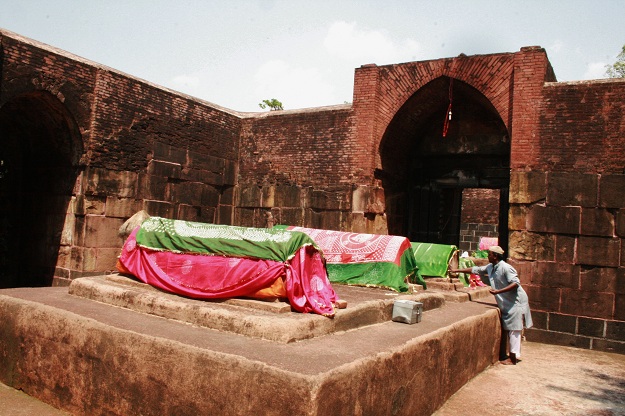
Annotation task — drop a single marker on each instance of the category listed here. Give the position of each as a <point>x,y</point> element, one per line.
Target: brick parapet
<point>531,71</point>
<point>581,127</point>
<point>303,148</point>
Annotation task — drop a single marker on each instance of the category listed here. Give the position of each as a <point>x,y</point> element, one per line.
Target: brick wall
<point>296,168</point>
<point>567,215</point>
<point>142,147</point>
<point>479,217</point>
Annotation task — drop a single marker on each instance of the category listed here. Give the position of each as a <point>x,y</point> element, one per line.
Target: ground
<point>549,380</point>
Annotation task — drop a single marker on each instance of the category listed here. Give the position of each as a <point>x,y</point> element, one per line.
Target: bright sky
<point>235,53</point>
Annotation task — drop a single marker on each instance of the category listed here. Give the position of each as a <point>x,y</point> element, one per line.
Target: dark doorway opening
<point>39,155</point>
<point>424,173</point>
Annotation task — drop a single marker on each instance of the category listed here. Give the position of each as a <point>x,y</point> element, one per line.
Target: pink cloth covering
<point>343,247</point>
<point>488,242</point>
<point>213,277</point>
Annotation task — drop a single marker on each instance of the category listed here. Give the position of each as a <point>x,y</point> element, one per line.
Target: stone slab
<point>88,357</point>
<point>260,319</point>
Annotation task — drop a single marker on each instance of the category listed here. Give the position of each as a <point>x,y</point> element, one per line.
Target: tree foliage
<point>272,104</point>
<point>617,70</point>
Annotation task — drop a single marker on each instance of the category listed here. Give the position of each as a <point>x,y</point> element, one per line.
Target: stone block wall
<point>472,233</point>
<point>567,233</point>
<point>157,151</point>
<point>142,147</point>
<point>297,168</point>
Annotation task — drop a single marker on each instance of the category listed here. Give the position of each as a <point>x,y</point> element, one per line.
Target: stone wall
<point>297,168</point>
<point>479,218</point>
<point>155,150</point>
<point>135,145</point>
<point>567,217</point>
<point>145,147</point>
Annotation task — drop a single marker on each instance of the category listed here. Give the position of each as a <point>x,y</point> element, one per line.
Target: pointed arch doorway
<point>39,157</point>
<point>424,174</point>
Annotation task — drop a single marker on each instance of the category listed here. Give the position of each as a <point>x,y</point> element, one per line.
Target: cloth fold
<point>207,261</point>
<point>366,259</point>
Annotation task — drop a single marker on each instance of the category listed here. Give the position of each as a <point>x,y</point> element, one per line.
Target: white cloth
<point>515,342</point>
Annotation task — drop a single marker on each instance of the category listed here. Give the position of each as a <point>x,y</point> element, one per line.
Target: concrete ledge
<point>91,358</point>
<point>273,321</point>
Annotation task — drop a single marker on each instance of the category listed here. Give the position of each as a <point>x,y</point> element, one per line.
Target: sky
<point>236,53</point>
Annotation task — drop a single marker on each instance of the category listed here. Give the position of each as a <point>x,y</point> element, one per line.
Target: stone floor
<point>549,380</point>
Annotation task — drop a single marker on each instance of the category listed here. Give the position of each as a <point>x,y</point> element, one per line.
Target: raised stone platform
<point>111,345</point>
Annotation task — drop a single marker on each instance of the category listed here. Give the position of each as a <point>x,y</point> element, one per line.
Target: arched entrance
<point>39,155</point>
<point>424,173</point>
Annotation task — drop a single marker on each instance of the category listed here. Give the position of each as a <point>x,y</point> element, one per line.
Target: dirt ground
<point>549,380</point>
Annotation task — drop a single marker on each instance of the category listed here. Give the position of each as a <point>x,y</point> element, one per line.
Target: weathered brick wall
<point>27,67</point>
<point>479,217</point>
<point>296,169</point>
<point>145,147</point>
<point>307,147</point>
<point>159,151</point>
<point>568,214</point>
<point>380,91</point>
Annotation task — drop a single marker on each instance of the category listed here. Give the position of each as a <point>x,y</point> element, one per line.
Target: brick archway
<point>41,151</point>
<point>424,173</point>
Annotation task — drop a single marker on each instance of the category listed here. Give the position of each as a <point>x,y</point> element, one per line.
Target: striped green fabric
<point>201,238</point>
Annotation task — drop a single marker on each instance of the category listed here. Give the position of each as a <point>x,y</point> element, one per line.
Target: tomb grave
<point>111,345</point>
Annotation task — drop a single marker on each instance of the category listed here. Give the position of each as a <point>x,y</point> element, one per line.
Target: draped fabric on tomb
<point>207,261</point>
<point>366,259</point>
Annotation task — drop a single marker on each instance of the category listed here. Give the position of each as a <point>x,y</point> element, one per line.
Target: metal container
<point>407,311</point>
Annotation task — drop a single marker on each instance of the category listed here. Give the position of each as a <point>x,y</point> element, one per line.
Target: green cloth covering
<point>463,263</point>
<point>433,259</point>
<point>384,274</point>
<point>193,237</point>
<point>377,274</point>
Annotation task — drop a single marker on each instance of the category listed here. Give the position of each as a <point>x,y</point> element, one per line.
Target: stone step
<point>94,358</point>
<point>273,321</point>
